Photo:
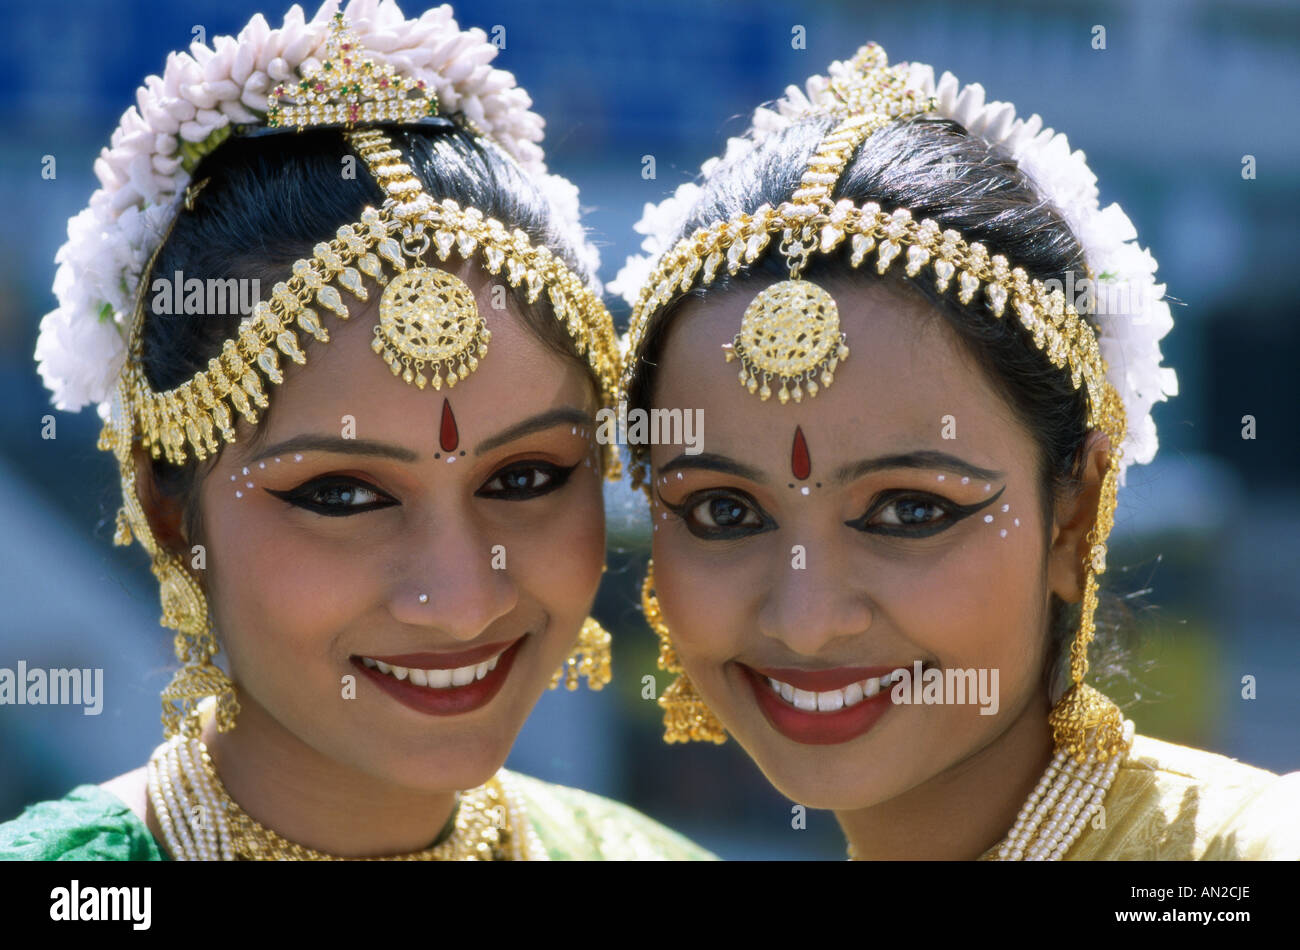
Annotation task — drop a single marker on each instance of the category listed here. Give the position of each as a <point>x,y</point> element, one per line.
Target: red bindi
<point>800,461</point>
<point>448,435</point>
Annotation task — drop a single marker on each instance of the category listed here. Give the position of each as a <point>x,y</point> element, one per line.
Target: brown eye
<point>723,511</point>
<point>721,515</point>
<point>525,480</point>
<point>336,497</point>
<point>910,511</point>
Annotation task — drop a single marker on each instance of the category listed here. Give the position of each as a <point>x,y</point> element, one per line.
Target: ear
<point>1073,520</point>
<point>166,515</point>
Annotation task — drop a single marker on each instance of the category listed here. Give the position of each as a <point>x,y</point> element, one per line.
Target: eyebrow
<point>316,442</point>
<point>546,420</point>
<point>319,442</point>
<point>929,459</point>
<point>710,461</point>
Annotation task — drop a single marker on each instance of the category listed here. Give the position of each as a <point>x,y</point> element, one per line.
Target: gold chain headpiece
<point>790,331</point>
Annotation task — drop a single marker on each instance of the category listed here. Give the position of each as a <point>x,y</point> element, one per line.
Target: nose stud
<point>424,598</point>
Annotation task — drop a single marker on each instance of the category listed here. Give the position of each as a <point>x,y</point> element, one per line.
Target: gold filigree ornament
<point>429,331</point>
<point>790,331</point>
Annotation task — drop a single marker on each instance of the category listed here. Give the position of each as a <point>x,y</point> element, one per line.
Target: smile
<point>832,699</point>
<point>437,678</point>
<point>822,707</point>
<point>443,684</point>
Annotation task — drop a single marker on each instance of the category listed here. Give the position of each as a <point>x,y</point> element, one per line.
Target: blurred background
<point>1167,113</point>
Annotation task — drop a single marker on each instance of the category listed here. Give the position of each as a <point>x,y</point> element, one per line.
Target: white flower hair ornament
<point>186,113</point>
<point>1121,291</point>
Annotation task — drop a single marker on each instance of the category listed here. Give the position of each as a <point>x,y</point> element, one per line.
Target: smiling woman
<point>396,538</point>
<point>848,582</point>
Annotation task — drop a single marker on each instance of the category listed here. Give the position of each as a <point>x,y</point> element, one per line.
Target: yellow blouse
<point>1172,803</point>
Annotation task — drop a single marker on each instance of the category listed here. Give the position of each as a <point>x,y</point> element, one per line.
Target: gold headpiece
<point>429,331</point>
<point>790,331</point>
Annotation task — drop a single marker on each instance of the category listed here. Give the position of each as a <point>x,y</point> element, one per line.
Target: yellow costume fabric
<point>1173,803</point>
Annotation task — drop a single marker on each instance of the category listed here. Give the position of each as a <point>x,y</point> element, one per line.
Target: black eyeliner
<point>681,510</point>
<point>956,513</point>
<point>559,478</point>
<point>298,497</point>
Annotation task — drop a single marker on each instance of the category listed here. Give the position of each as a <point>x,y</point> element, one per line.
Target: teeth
<point>803,699</point>
<point>832,699</point>
<point>436,679</point>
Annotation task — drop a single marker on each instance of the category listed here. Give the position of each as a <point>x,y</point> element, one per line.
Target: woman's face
<point>365,493</point>
<point>895,518</point>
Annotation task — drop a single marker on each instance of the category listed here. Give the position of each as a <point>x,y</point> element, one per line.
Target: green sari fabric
<point>91,824</point>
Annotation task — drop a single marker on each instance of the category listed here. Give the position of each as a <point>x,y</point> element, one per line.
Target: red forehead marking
<point>448,435</point>
<point>800,462</point>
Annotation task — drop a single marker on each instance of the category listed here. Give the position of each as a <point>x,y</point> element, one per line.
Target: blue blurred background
<point>1183,91</point>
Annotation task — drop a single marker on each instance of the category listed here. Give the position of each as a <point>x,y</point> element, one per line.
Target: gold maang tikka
<point>788,330</point>
<point>429,331</point>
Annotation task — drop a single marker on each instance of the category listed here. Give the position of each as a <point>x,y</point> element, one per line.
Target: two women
<point>371,533</point>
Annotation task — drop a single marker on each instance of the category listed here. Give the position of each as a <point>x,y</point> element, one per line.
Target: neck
<point>315,801</point>
<point>965,810</point>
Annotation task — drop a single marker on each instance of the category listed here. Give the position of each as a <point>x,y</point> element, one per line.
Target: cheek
<point>559,561</point>
<point>978,606</point>
<point>275,589</point>
<point>701,597</point>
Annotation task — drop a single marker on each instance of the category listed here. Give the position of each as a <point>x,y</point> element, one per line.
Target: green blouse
<point>91,824</point>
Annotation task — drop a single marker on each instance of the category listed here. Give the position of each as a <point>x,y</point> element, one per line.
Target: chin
<point>460,767</point>
<point>830,777</point>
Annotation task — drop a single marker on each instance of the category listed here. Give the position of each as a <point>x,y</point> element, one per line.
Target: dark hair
<point>937,170</point>
<point>269,200</point>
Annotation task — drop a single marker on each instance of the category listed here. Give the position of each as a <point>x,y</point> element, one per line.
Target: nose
<point>807,608</point>
<point>449,582</point>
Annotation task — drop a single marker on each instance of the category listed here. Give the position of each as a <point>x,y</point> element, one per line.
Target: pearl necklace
<point>201,822</point>
<point>1065,799</point>
<point>1058,809</point>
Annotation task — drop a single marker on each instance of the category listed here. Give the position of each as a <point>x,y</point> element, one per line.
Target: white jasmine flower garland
<point>1127,302</point>
<point>185,113</point>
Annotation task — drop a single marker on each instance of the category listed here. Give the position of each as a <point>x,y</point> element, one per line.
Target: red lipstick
<point>444,661</point>
<point>814,727</point>
<point>448,701</point>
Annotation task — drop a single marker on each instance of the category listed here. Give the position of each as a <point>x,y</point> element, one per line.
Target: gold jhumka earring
<point>429,331</point>
<point>686,717</point>
<point>790,335</point>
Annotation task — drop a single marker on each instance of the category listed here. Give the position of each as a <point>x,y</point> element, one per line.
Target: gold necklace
<point>200,821</point>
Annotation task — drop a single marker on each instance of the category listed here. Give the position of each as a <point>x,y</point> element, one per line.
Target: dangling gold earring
<point>185,610</point>
<point>686,717</point>
<point>1085,718</point>
<point>590,658</point>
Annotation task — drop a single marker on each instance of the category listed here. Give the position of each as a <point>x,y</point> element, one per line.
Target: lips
<point>436,696</point>
<point>863,697</point>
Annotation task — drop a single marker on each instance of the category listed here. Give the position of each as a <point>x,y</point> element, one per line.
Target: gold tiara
<point>789,341</point>
<point>348,89</point>
<point>429,332</point>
